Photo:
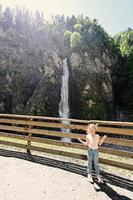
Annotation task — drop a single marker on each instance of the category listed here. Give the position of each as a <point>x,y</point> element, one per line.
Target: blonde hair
<point>92,125</point>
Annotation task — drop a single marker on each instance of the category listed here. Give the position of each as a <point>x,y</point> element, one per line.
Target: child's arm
<point>84,143</point>
<point>102,140</point>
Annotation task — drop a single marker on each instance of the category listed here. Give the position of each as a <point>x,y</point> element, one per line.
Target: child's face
<point>91,129</point>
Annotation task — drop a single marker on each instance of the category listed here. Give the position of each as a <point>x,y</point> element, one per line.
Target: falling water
<point>64,104</point>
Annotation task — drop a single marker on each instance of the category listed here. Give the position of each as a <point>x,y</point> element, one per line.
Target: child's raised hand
<point>104,136</point>
<point>78,138</point>
<point>102,140</point>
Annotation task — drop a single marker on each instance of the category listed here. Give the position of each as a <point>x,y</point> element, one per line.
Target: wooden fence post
<point>29,141</point>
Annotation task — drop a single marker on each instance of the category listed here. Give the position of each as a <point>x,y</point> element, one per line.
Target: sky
<point>114,15</point>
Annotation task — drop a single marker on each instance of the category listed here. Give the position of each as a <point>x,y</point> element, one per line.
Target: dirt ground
<point>21,179</point>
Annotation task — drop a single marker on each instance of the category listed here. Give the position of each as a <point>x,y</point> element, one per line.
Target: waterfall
<point>64,103</point>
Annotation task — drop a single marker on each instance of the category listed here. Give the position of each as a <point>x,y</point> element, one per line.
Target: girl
<point>92,141</point>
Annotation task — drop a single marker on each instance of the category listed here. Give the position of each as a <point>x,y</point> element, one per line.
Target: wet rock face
<point>5,86</point>
<point>32,84</point>
<point>46,97</point>
<point>31,89</point>
<point>91,94</point>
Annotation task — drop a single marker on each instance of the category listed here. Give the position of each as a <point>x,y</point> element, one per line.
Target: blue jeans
<point>93,156</point>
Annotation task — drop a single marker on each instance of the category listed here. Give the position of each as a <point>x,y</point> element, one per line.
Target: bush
<point>75,40</point>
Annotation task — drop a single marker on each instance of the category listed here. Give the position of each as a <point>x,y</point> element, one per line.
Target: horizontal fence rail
<point>44,134</point>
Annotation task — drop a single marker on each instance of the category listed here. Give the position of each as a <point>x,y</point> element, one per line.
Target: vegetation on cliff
<point>124,73</point>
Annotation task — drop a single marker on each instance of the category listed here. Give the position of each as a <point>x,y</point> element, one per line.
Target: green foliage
<point>77,27</point>
<point>126,83</point>
<point>75,40</point>
<point>124,40</point>
<point>100,111</point>
<point>70,22</point>
<point>7,18</point>
<point>67,36</point>
<point>91,35</point>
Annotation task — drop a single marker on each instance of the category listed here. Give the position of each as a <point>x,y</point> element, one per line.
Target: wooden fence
<point>43,134</point>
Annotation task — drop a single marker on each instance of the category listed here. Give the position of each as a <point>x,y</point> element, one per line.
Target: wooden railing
<point>43,134</point>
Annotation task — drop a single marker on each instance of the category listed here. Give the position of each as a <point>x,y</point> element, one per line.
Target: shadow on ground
<point>112,194</point>
<point>78,169</point>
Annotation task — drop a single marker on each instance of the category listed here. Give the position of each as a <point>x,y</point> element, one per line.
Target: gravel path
<point>24,180</point>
